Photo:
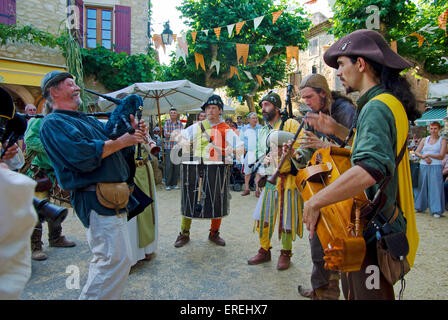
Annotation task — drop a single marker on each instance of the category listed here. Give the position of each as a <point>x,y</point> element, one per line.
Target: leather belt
<point>391,220</point>
<point>91,187</point>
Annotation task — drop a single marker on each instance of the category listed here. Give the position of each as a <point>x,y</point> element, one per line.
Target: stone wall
<point>50,16</point>
<point>139,25</point>
<point>45,16</point>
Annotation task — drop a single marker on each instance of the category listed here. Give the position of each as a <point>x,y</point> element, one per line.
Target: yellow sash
<point>405,196</point>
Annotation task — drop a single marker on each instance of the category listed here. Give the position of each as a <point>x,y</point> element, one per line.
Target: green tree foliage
<point>288,30</point>
<point>119,70</point>
<point>398,19</point>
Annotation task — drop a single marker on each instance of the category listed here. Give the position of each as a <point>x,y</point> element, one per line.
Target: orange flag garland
<point>311,2</point>
<point>239,25</point>
<point>420,38</point>
<point>443,20</point>
<point>242,50</point>
<point>199,58</point>
<point>275,15</point>
<point>234,70</point>
<point>259,79</point>
<point>217,32</point>
<point>393,46</point>
<point>157,38</point>
<point>193,35</point>
<point>292,52</point>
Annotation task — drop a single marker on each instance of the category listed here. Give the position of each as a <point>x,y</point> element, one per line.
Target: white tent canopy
<point>159,97</point>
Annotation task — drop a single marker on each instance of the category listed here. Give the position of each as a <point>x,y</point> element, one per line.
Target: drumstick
<point>198,206</point>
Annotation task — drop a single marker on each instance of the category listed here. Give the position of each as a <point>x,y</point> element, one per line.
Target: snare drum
<point>205,189</point>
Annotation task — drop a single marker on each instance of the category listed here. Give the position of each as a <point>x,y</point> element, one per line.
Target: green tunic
<point>144,179</point>
<point>375,146</point>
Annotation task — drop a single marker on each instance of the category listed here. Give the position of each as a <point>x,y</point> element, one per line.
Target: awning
<point>25,73</point>
<point>434,114</point>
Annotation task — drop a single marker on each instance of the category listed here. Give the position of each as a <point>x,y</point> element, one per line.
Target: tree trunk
<point>250,103</point>
<point>423,73</point>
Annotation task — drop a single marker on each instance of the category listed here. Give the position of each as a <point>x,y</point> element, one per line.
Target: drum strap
<point>209,139</point>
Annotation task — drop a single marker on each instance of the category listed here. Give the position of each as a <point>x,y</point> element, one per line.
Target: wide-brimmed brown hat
<point>365,43</point>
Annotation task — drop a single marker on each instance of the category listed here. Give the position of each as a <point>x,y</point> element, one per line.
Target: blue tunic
<point>74,143</point>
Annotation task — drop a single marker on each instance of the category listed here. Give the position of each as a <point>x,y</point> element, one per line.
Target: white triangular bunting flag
<point>249,75</point>
<point>230,29</point>
<point>217,64</point>
<point>180,53</point>
<point>257,22</point>
<point>268,80</point>
<point>268,48</point>
<point>206,32</point>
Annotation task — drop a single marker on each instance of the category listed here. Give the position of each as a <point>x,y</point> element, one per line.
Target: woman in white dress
<point>429,192</point>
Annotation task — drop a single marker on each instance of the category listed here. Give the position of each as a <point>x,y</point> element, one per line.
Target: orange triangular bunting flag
<point>292,52</point>
<point>217,32</point>
<point>193,35</point>
<point>260,79</point>
<point>420,38</point>
<point>393,46</point>
<point>199,58</point>
<point>275,15</point>
<point>234,70</point>
<point>443,20</point>
<point>242,50</point>
<point>239,25</point>
<point>311,2</point>
<point>157,38</point>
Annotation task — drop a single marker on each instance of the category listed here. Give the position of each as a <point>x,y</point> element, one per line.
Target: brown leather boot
<point>307,293</point>
<point>36,245</point>
<point>328,292</point>
<point>61,242</point>
<point>214,237</point>
<point>262,256</point>
<point>284,259</point>
<point>182,239</point>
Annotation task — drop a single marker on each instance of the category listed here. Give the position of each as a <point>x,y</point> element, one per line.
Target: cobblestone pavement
<point>203,271</point>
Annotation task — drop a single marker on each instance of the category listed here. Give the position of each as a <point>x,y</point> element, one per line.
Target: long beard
<point>269,116</point>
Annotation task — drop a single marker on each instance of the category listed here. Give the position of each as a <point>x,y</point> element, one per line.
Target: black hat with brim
<point>365,43</point>
<point>213,100</point>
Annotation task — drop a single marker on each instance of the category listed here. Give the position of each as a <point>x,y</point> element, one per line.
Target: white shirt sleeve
<point>17,162</point>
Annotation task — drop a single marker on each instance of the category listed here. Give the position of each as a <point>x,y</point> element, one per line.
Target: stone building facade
<point>119,23</point>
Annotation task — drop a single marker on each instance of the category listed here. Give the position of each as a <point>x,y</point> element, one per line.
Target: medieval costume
<point>278,202</point>
<point>205,179</point>
<point>143,229</point>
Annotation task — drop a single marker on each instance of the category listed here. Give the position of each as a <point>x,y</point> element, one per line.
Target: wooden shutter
<point>8,12</point>
<point>123,29</point>
<point>80,5</point>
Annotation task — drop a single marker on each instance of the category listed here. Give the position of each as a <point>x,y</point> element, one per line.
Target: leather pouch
<point>113,195</point>
<point>392,251</point>
<point>43,184</point>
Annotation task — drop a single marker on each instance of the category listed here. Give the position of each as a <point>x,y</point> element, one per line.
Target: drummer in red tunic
<point>205,179</point>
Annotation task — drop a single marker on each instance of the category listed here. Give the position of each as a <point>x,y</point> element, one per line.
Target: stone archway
<point>20,94</point>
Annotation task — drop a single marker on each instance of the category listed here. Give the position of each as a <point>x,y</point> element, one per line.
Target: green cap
<point>273,98</point>
<point>51,78</point>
